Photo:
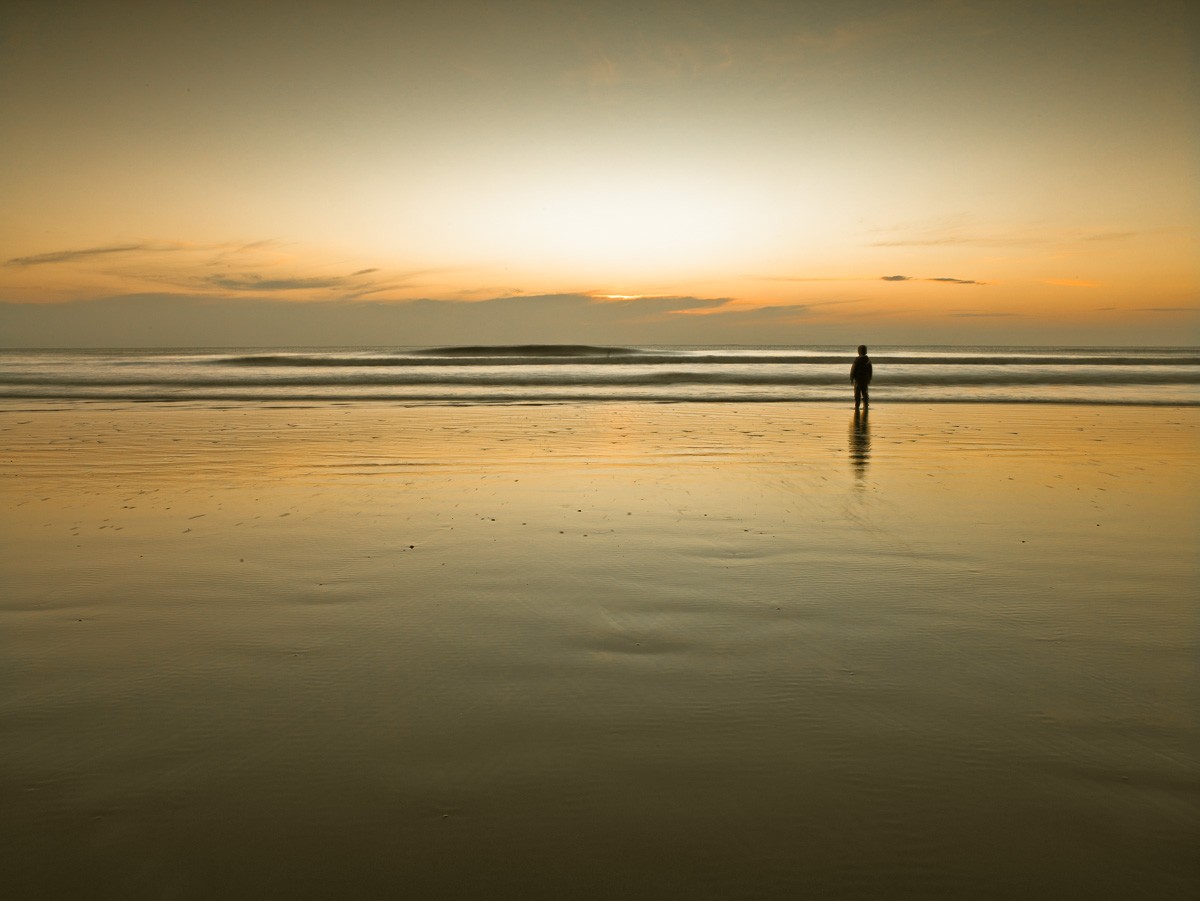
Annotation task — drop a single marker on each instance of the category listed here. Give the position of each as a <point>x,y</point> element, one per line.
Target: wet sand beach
<point>599,650</point>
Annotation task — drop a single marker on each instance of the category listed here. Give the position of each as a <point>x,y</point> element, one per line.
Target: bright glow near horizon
<point>623,225</point>
<point>920,172</point>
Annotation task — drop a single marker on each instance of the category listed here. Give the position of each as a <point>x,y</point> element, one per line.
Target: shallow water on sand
<point>614,650</point>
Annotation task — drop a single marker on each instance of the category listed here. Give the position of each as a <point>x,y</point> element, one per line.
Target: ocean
<point>574,373</point>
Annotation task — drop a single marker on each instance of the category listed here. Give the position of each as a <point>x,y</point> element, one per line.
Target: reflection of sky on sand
<point>539,625</point>
<point>748,462</point>
<point>744,464</point>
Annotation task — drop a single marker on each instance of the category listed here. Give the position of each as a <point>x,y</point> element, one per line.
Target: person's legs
<point>858,394</point>
<point>866,397</point>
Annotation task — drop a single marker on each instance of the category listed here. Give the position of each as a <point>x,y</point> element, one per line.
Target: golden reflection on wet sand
<point>614,650</point>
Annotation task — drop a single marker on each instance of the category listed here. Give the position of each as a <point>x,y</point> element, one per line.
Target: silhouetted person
<point>860,375</point>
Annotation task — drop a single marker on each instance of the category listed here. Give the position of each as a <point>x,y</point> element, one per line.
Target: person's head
<point>862,350</point>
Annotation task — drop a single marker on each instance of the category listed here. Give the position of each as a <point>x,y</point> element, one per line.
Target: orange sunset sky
<point>661,172</point>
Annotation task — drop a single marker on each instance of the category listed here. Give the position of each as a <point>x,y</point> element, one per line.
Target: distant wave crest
<point>528,350</point>
<point>510,354</point>
<point>587,355</point>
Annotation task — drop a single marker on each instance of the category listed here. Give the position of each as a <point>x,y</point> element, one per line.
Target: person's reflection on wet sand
<point>860,443</point>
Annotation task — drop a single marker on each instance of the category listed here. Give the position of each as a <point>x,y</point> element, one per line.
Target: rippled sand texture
<point>608,651</point>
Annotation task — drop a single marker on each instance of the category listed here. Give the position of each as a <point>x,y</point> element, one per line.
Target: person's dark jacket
<point>861,370</point>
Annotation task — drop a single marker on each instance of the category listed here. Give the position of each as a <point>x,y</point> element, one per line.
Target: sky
<point>701,172</point>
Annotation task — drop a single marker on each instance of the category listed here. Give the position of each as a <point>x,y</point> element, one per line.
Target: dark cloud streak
<point>943,279</point>
<point>257,283</point>
<point>71,256</point>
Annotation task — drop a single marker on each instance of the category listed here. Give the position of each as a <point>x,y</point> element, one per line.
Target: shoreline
<point>482,401</point>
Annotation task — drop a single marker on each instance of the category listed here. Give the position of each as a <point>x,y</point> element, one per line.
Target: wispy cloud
<point>259,268</point>
<point>361,283</point>
<point>72,256</point>
<point>943,279</point>
<point>859,278</point>
<point>972,314</point>
<point>964,234</point>
<point>215,253</point>
<point>729,309</point>
<point>258,283</point>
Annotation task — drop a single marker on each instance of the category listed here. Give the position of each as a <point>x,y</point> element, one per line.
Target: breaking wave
<point>538,373</point>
